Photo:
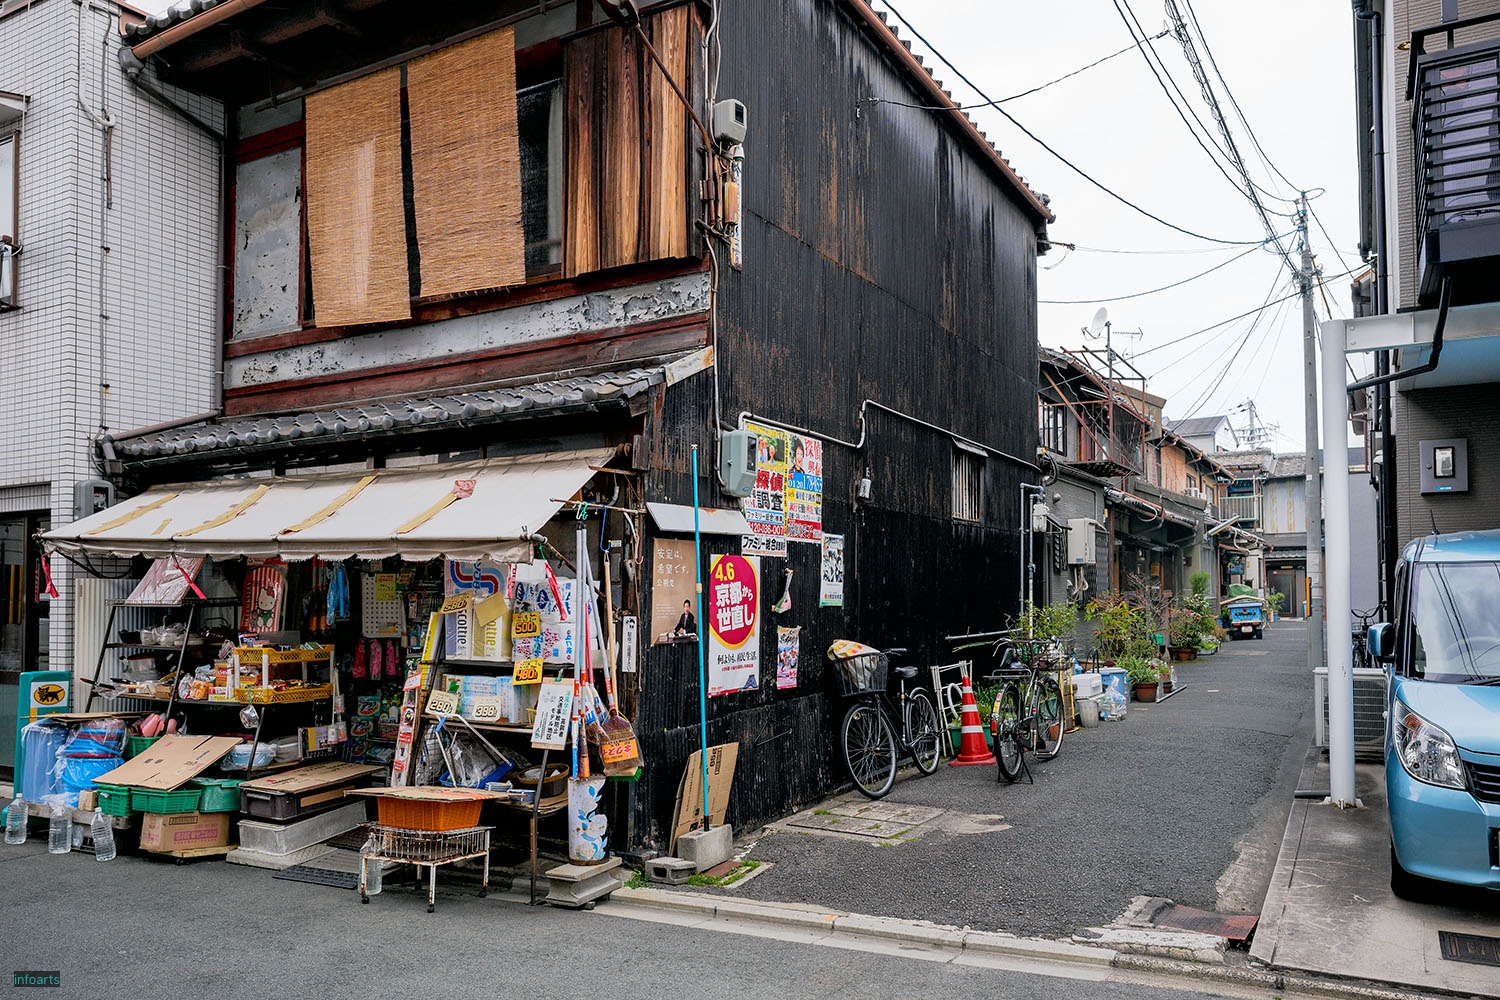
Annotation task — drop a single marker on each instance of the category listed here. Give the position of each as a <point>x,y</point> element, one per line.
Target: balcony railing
<point>1244,509</point>
<point>1455,94</point>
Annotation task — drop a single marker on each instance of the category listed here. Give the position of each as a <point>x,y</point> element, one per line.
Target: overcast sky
<point>1288,64</point>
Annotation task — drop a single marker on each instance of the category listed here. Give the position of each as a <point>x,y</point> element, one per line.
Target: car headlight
<point>1427,752</point>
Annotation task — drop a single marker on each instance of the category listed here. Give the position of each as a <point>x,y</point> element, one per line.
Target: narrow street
<point>1186,799</point>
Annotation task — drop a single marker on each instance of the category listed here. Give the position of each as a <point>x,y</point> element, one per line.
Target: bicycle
<point>1360,652</point>
<point>1028,713</point>
<point>870,742</point>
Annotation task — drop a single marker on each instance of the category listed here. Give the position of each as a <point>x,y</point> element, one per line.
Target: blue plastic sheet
<point>40,742</point>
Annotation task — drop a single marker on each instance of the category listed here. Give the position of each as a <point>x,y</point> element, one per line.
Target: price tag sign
<point>487,710</point>
<point>554,709</point>
<point>442,703</point>
<point>455,603</point>
<point>526,625</point>
<point>527,672</point>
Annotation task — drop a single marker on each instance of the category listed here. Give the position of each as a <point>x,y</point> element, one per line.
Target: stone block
<point>706,848</point>
<point>671,871</point>
<point>576,886</point>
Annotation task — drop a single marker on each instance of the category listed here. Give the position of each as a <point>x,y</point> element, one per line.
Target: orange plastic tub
<point>427,814</point>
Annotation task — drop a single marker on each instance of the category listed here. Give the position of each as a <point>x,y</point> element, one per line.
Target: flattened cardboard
<point>171,762</point>
<point>429,793</point>
<point>311,777</point>
<point>689,811</point>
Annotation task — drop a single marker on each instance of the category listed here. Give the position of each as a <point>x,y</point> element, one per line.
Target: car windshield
<point>1456,622</point>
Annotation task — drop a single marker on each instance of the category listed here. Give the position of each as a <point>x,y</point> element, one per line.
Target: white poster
<point>831,587</point>
<point>733,600</point>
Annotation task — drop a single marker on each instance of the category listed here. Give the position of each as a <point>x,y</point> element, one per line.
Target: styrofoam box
<point>1088,684</point>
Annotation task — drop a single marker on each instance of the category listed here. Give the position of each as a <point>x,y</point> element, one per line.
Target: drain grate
<point>1235,927</point>
<point>319,876</point>
<point>1472,948</point>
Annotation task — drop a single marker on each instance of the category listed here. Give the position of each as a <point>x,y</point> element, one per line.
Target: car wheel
<point>1407,886</point>
<point>1259,634</point>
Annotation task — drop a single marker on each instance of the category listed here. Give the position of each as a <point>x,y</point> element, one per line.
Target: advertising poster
<point>765,507</point>
<point>788,647</point>
<point>673,584</point>
<point>804,489</point>
<point>831,587</point>
<point>533,592</point>
<point>734,625</point>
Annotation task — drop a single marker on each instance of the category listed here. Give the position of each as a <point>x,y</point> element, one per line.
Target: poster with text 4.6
<point>733,625</point>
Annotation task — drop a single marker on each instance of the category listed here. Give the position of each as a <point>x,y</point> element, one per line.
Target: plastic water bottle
<point>372,867</point>
<point>60,829</point>
<point>104,837</point>
<point>15,822</point>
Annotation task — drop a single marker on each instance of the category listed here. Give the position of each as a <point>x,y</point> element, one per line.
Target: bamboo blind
<point>466,165</point>
<point>356,222</point>
<point>628,197</point>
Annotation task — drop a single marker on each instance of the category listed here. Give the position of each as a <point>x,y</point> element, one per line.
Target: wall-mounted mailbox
<point>1445,465</point>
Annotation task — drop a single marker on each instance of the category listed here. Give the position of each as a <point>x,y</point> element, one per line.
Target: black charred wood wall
<point>882,260</point>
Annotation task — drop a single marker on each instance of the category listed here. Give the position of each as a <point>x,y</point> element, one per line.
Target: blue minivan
<point>1442,755</point>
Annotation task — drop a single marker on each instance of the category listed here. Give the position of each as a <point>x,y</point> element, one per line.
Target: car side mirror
<point>1381,640</point>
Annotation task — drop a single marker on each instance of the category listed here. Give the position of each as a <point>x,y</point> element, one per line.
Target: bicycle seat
<point>907,672</point>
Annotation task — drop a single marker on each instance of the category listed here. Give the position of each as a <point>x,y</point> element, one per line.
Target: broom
<point>618,746</point>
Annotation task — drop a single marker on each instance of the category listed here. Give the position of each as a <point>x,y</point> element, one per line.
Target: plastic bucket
<point>1088,713</point>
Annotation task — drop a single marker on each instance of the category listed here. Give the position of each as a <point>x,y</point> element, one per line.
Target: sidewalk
<point>1330,910</point>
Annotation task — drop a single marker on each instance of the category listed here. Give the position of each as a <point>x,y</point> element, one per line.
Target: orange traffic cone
<point>971,745</point>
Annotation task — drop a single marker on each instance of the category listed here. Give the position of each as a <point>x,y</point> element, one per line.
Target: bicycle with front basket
<point>1028,713</point>
<point>871,744</point>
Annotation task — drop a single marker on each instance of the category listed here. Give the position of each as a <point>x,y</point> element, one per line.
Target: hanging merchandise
<point>392,658</point>
<point>784,605</point>
<point>381,616</point>
<point>338,594</point>
<point>359,661</point>
<point>265,597</point>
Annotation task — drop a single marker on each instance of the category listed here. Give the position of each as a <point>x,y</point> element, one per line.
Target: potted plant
<point>1274,600</point>
<point>1167,675</point>
<point>1143,674</point>
<point>1183,633</point>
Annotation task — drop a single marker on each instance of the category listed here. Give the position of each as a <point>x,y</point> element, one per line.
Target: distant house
<point>1208,434</point>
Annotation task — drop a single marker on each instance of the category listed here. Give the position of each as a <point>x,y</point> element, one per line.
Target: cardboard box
<point>183,831</point>
<point>171,761</point>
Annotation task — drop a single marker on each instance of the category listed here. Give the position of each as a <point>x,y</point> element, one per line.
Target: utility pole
<point>1314,516</point>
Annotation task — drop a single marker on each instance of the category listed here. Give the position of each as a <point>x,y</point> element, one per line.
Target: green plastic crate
<point>184,800</point>
<point>220,795</point>
<point>114,800</point>
<point>138,744</point>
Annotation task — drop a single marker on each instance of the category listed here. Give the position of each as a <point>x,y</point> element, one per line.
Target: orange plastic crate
<point>425,814</point>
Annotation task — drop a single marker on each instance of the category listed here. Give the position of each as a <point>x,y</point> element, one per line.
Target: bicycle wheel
<point>923,731</point>
<point>1049,718</point>
<point>869,749</point>
<point>1008,747</point>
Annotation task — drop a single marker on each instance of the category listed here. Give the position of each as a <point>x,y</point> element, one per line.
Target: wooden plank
<point>664,199</point>
<point>581,213</point>
<point>620,161</point>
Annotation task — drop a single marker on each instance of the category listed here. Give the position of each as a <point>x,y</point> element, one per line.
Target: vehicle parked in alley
<point>1442,654</point>
<point>1244,617</point>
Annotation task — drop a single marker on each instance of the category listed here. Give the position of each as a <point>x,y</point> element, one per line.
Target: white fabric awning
<point>462,510</point>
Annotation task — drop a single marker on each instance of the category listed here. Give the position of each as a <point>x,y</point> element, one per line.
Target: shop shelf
<point>114,800</point>
<point>219,794</point>
<point>184,800</point>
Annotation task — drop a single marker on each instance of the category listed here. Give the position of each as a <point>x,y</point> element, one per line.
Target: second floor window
<point>1054,428</point>
<point>9,214</point>
<point>968,485</point>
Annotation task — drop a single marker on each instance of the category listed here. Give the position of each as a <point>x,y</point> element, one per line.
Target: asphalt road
<point>1186,799</point>
<point>144,928</point>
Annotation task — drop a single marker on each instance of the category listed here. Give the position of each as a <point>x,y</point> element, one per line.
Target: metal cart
<point>428,848</point>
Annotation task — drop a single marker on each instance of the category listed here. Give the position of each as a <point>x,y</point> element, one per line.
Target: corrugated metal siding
<point>92,597</point>
<point>1454,411</point>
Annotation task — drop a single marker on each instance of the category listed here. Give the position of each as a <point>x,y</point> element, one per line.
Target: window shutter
<point>356,222</point>
<point>628,145</point>
<point>466,165</point>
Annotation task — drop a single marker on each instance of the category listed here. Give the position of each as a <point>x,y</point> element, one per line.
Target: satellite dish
<point>1098,323</point>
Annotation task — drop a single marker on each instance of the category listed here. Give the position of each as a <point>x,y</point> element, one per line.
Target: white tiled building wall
<point>141,316</point>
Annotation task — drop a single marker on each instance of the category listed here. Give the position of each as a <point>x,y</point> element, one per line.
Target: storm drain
<point>1472,948</point>
<point>1234,927</point>
<point>319,876</point>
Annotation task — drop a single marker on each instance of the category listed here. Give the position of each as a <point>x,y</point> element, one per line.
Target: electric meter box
<point>729,122</point>
<point>90,496</point>
<point>739,460</point>
<point>1081,542</point>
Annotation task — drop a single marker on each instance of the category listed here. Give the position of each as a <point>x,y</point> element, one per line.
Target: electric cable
<point>1060,158</point>
<point>1153,291</point>
<point>1278,281</point>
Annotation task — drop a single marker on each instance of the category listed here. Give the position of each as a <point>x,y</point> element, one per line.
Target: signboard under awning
<point>677,519</point>
<point>459,510</point>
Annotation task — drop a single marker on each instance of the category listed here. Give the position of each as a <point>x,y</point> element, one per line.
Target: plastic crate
<point>863,674</point>
<point>135,745</point>
<point>270,696</point>
<point>220,795</point>
<point>183,800</point>
<point>427,815</point>
<point>114,800</point>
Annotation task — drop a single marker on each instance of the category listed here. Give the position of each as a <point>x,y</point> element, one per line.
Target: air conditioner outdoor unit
<point>1369,711</point>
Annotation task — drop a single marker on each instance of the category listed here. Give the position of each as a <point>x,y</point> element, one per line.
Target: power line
<point>1278,281</point>
<point>1152,291</point>
<point>1194,250</point>
<point>1062,159</point>
<point>1012,97</point>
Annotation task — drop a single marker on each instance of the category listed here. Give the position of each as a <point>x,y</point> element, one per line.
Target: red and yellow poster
<point>733,624</point>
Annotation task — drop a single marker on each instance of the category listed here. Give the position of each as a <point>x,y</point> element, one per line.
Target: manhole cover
<point>1473,948</point>
<point>868,820</point>
<point>1231,926</point>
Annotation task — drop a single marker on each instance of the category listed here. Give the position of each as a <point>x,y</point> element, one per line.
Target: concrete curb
<point>866,926</point>
<point>1279,982</point>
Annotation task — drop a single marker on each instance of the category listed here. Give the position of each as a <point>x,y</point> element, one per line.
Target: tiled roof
<point>173,14</point>
<point>1194,426</point>
<point>1288,466</point>
<point>373,420</point>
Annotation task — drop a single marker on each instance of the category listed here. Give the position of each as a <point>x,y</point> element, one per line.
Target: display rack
<point>181,649</point>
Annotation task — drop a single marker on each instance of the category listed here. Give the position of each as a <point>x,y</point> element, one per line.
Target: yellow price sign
<point>527,672</point>
<point>526,624</point>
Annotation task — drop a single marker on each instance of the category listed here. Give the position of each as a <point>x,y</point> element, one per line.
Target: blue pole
<point>702,665</point>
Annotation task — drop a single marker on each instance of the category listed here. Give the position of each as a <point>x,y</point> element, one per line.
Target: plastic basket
<point>220,795</point>
<point>863,674</point>
<point>184,800</point>
<point>138,745</point>
<point>114,800</point>
<point>427,815</point>
<point>270,696</point>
